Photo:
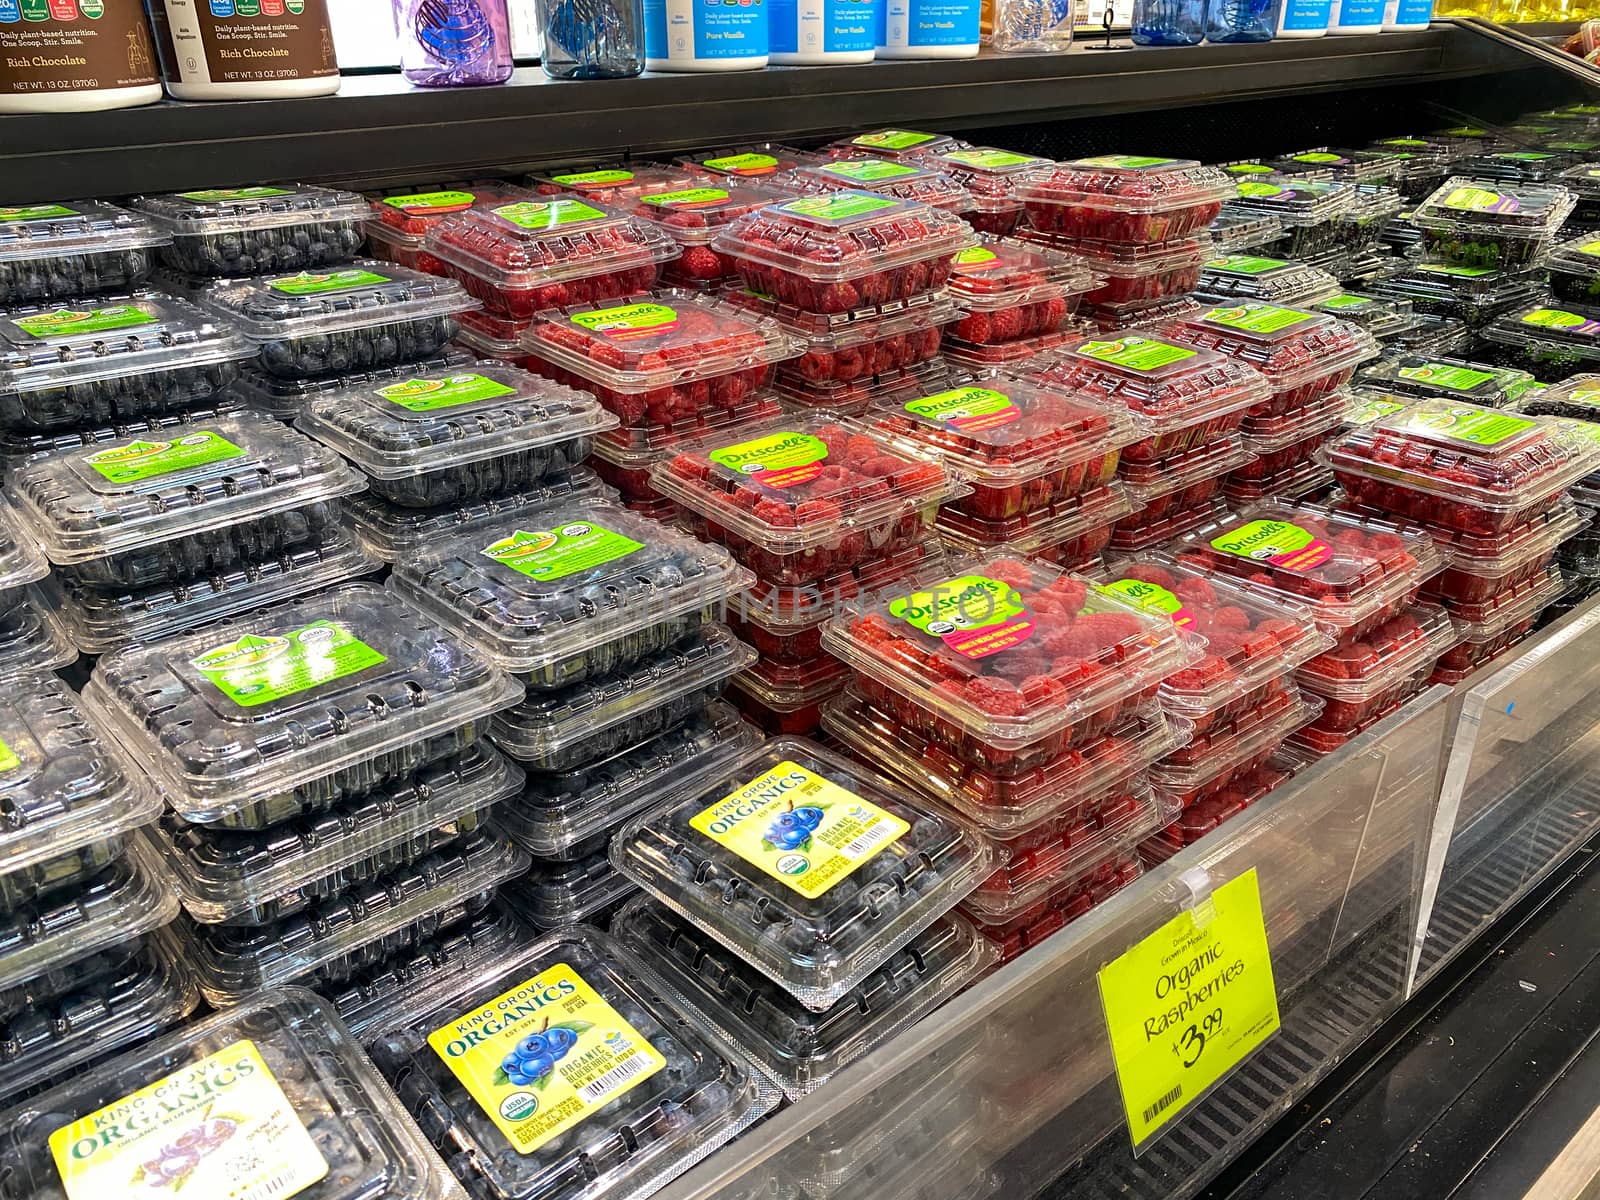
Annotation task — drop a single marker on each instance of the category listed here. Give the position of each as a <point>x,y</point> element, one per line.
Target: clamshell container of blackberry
<point>369,314</point>
<point>302,1103</point>
<point>228,877</point>
<point>798,1048</point>
<point>59,251</point>
<point>256,230</point>
<point>591,720</point>
<point>1552,343</point>
<point>810,867</point>
<point>558,811</point>
<point>164,510</point>
<point>292,709</point>
<point>1473,295</point>
<point>570,592</point>
<point>1416,377</point>
<point>566,891</point>
<point>111,359</point>
<point>345,934</point>
<point>286,399</point>
<point>443,437</point>
<point>632,1090</point>
<point>1236,277</point>
<point>1481,223</point>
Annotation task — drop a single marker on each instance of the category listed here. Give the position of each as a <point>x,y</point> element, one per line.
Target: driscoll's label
<point>973,615</point>
<point>54,46</point>
<point>1286,546</point>
<point>244,41</point>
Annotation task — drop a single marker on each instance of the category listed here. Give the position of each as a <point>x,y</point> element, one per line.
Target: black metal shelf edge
<point>377,127</point>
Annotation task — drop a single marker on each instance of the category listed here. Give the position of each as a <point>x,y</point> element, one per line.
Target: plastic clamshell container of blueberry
<point>1480,223</point>
<point>21,560</point>
<point>1000,273</point>
<point>22,444</point>
<point>346,933</point>
<point>560,810</point>
<point>305,703</point>
<point>126,897</point>
<point>56,251</point>
<point>902,180</point>
<point>875,865</point>
<point>95,502</point>
<point>674,1091</point>
<point>590,720</point>
<point>1462,465</point>
<point>1551,341</point>
<point>1352,572</point>
<point>570,591</point>
<point>222,875</point>
<point>1471,294</point>
<point>1363,672</point>
<point>286,399</point>
<point>251,230</point>
<point>293,1069</point>
<point>1290,346</point>
<point>33,635</point>
<point>568,891</point>
<point>1271,280</point>
<point>368,314</point>
<point>113,358</point>
<point>1413,377</point>
<point>800,1049</point>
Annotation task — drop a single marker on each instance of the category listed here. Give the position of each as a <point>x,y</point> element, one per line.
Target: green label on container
<point>1575,147</point>
<point>1124,162</point>
<point>1526,155</point>
<point>894,139</point>
<point>1246,264</point>
<point>1279,543</point>
<point>257,669</point>
<point>68,322</point>
<point>557,553</point>
<point>973,615</point>
<point>743,164</point>
<point>228,195</point>
<point>590,179</point>
<point>8,757</point>
<point>991,159</point>
<point>1478,199</point>
<point>839,206</point>
<point>546,214</point>
<point>35,212</point>
<point>424,203</point>
<point>1457,272</point>
<point>1403,141</point>
<point>778,460</point>
<point>1368,411</point>
<point>1457,379</point>
<point>1257,318</point>
<point>1153,597</point>
<point>966,409</point>
<point>1558,318</point>
<point>1469,131</point>
<point>706,197</point>
<point>1346,301</point>
<point>1318,156</point>
<point>975,256</point>
<point>1251,169</point>
<point>1134,352</point>
<point>869,170</point>
<point>1263,191</point>
<point>1475,426</point>
<point>309,283</point>
<point>425,395</point>
<point>628,321</point>
<point>140,460</point>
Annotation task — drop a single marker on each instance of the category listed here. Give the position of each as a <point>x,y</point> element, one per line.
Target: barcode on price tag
<point>626,1070</point>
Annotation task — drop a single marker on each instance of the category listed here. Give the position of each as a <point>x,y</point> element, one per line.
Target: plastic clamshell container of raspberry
<point>1291,347</point>
<point>1141,271</point>
<point>1125,198</point>
<point>1185,396</point>
<point>56,251</point>
<point>112,358</point>
<point>1182,480</point>
<point>1237,745</point>
<point>308,1077</point>
<point>898,180</point>
<point>1353,572</point>
<point>787,611</point>
<point>1479,223</point>
<point>416,208</point>
<point>679,1088</point>
<point>242,231</point>
<point>893,143</point>
<point>570,590</point>
<point>799,1049</point>
<point>1479,566</point>
<point>1236,277</point>
<point>1391,653</point>
<point>1086,517</point>
<point>1013,653</point>
<point>352,680</point>
<point>95,501</point>
<point>754,163</point>
<point>608,181</point>
<point>1266,433</point>
<point>436,421</point>
<point>1461,465</point>
<point>691,215</point>
<point>818,930</point>
<point>1494,619</point>
<point>1001,273</point>
<point>1413,377</point>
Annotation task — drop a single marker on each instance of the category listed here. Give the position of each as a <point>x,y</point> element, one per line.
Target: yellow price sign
<point>1189,1003</point>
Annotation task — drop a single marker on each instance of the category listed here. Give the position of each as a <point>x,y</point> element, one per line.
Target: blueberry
<point>808,816</point>
<point>518,1078</point>
<point>511,1064</point>
<point>533,1046</point>
<point>538,1066</point>
<point>561,1041</point>
<point>785,821</point>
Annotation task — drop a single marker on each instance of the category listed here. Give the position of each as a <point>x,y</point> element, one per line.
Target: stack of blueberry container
<point>328,784</point>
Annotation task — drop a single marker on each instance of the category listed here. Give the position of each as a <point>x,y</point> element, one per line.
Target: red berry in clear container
<point>1068,532</point>
<point>1133,273</point>
<point>990,176</point>
<point>1390,662</point>
<point>691,217</point>
<point>1234,748</point>
<point>1125,197</point>
<point>755,163</point>
<point>898,180</point>
<point>1012,291</point>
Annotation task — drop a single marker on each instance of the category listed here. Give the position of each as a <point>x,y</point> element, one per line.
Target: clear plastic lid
<point>557,893</point>
<point>1462,208</point>
<point>1583,180</point>
<point>1127,183</point>
<point>1253,735</point>
<point>758,161</point>
<point>346,933</point>
<point>1499,615</point>
<point>1250,640</point>
<point>1171,386</point>
<point>783,687</point>
<point>1265,433</point>
<point>129,897</point>
<point>33,637</point>
<point>1561,339</point>
<point>222,876</point>
<point>107,338</point>
<point>828,335</point>
<point>558,811</point>
<point>1273,280</point>
<point>1579,256</point>
<point>95,501</point>
<point>1039,530</point>
<point>800,1049</point>
<point>1357,165</point>
<point>988,173</point>
<point>1000,273</point>
<point>1296,202</point>
<point>1147,482</point>
<point>893,143</point>
<point>792,485</point>
<point>1475,290</point>
<point>1010,651</point>
<point>605,181</point>
<point>1416,376</point>
<point>439,420</point>
<point>1517,167</point>
<point>569,727</point>
<point>1577,398</point>
<point>288,1077</point>
<point>1347,569</point>
<point>212,211</point>
<point>830,869</point>
<point>21,560</point>
<point>1002,430</point>
<point>543,588</point>
<point>1237,230</point>
<point>1479,458</point>
<point>656,340</point>
<point>251,707</point>
<point>691,215</point>
<point>62,784</point>
<point>394,532</point>
<point>27,443</point>
<point>784,609</point>
<point>845,235</point>
<point>1288,345</point>
<point>286,399</point>
<point>624,1087</point>
<point>413,210</point>
<point>37,232</point>
<point>1379,317</point>
<point>1362,671</point>
<point>311,303</point>
<point>898,180</point>
<point>1421,145</point>
<point>1004,807</point>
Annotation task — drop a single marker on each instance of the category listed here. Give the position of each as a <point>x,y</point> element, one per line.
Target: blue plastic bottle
<point>1168,22</point>
<point>1241,20</point>
<point>592,39</point>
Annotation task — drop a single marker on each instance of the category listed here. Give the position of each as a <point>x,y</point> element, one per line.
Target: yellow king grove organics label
<point>805,831</point>
<point>259,668</point>
<point>141,460</point>
<point>219,1129</point>
<point>542,1057</point>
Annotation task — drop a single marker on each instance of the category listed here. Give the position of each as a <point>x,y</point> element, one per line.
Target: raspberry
<point>1008,325</point>
<point>1231,617</point>
<point>1150,573</point>
<point>1017,574</point>
<point>699,262</point>
<point>1195,591</point>
<point>1073,592</point>
<point>997,697</point>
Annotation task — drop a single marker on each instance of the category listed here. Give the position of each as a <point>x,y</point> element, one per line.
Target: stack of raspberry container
<point>1019,302</point>
<point>1491,489</point>
<point>1141,224</point>
<point>1025,698</point>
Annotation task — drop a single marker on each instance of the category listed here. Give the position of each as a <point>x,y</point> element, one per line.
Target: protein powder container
<point>928,28</point>
<point>691,35</point>
<point>244,49</point>
<point>1357,16</point>
<point>1305,18</point>
<point>75,56</point>
<point>817,33</point>
<point>1407,14</point>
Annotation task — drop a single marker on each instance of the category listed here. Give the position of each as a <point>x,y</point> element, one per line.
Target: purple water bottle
<point>454,43</point>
